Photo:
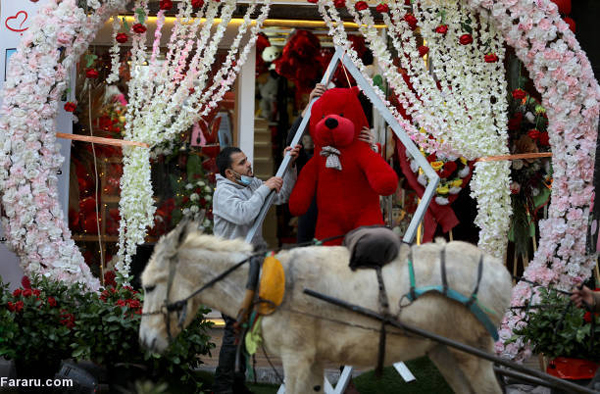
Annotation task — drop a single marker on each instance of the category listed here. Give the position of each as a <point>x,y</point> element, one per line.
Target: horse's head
<point>161,320</point>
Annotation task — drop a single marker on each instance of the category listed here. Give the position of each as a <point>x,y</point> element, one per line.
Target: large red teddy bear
<point>344,173</point>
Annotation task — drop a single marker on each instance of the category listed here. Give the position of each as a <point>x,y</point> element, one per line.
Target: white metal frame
<point>432,177</point>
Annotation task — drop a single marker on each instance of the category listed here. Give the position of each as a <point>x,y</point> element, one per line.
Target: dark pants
<point>307,223</point>
<point>227,379</point>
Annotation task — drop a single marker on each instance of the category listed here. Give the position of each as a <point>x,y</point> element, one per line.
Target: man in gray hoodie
<point>237,201</point>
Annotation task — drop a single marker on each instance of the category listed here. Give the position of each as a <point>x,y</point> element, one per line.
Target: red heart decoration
<point>19,20</point>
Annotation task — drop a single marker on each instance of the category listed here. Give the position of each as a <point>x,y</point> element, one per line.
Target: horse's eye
<point>148,289</point>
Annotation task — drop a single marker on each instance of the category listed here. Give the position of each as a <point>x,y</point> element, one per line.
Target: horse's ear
<point>181,230</point>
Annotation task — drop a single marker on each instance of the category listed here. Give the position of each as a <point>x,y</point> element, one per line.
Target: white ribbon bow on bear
<point>333,158</point>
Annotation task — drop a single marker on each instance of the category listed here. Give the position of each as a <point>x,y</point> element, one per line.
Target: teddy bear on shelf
<point>345,174</point>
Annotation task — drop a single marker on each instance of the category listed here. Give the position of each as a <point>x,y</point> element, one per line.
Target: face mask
<point>243,179</point>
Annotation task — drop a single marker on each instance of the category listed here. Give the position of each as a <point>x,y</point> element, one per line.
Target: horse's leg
<point>473,375</point>
<point>447,364</point>
<point>478,371</point>
<point>302,374</point>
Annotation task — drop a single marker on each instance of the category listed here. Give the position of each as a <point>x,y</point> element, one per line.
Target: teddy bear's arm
<point>382,178</point>
<point>305,188</point>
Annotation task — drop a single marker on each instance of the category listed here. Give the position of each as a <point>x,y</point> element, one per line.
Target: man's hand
<point>582,295</point>
<point>315,93</point>
<point>274,183</point>
<point>293,152</point>
<point>367,136</point>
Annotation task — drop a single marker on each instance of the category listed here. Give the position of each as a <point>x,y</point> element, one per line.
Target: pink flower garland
<point>564,77</point>
<point>29,159</point>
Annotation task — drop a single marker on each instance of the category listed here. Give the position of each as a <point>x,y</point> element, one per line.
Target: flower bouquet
<point>531,178</point>
<point>563,332</point>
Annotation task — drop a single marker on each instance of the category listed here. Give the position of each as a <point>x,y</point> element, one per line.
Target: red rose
<point>91,73</point>
<point>491,58</point>
<point>11,307</point>
<point>361,6</point>
<point>519,94</point>
<point>36,292</point>
<point>442,29</point>
<point>70,106</point>
<point>411,20</point>
<point>383,8</point>
<point>52,301</point>
<point>465,39</point>
<point>313,1</point>
<point>109,278</point>
<point>25,283</point>
<point>423,50</point>
<point>121,303</point>
<point>544,139</point>
<point>19,306</point>
<point>27,293</point>
<point>17,293</point>
<point>134,304</point>
<point>197,3</point>
<point>122,38</point>
<point>533,134</point>
<point>339,3</point>
<point>587,317</point>
<point>165,4</point>
<point>138,28</point>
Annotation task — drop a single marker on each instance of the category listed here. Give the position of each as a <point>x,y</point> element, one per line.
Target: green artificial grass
<point>429,380</point>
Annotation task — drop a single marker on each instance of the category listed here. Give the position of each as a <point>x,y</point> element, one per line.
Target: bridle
<point>180,306</point>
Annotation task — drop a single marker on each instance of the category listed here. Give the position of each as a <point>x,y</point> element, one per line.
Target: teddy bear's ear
<point>355,90</point>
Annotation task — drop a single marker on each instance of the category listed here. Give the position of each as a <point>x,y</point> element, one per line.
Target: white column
<point>245,103</point>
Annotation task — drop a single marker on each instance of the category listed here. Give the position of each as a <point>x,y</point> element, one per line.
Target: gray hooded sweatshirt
<point>235,207</point>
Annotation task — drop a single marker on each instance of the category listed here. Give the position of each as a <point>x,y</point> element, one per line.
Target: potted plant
<point>565,334</point>
<point>37,324</point>
<point>46,321</point>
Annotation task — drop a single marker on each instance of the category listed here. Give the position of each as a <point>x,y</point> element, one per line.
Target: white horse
<point>308,333</point>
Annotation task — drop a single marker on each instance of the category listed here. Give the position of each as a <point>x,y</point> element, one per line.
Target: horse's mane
<point>197,239</point>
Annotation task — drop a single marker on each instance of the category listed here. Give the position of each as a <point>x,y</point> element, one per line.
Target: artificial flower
<point>423,50</point>
<point>361,6</point>
<point>138,28</point>
<point>165,5</point>
<point>519,94</point>
<point>339,3</point>
<point>382,8</point>
<point>197,3</point>
<point>122,38</point>
<point>491,58</point>
<point>466,39</point>
<point>442,29</point>
<point>70,106</point>
<point>91,73</point>
<point>411,20</point>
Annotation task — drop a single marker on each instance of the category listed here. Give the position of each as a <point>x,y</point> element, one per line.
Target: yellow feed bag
<point>272,286</point>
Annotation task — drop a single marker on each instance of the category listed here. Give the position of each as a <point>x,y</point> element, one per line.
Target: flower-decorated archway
<point>29,159</point>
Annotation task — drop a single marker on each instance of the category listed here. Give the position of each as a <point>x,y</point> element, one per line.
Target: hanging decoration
<point>168,96</point>
<point>445,104</point>
<point>34,223</point>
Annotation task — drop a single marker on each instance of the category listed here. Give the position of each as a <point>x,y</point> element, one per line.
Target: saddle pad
<point>272,286</point>
<point>371,246</point>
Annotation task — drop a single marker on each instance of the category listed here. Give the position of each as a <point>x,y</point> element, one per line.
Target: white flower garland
<point>30,158</point>
<point>166,101</point>
<point>459,123</point>
<point>570,94</point>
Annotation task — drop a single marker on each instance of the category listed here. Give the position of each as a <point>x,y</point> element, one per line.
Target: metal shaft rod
<point>559,383</point>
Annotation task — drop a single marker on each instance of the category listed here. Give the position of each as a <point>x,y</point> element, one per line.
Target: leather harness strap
<point>470,302</point>
<point>385,311</point>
